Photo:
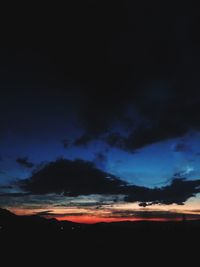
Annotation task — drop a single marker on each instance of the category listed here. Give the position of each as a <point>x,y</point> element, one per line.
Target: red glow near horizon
<point>93,220</point>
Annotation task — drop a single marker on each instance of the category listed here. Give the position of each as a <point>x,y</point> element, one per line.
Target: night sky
<point>100,114</point>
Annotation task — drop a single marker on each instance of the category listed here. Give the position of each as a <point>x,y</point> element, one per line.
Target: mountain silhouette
<point>32,235</point>
<point>12,222</point>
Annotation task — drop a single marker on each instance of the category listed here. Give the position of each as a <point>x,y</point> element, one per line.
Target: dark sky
<point>107,94</point>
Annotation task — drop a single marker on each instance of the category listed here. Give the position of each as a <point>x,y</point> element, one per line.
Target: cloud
<point>25,162</point>
<point>100,160</point>
<point>144,135</point>
<point>195,211</point>
<point>115,140</point>
<point>44,213</point>
<point>30,201</point>
<point>123,75</point>
<point>179,191</point>
<point>83,140</point>
<point>152,214</point>
<point>175,114</point>
<point>181,147</point>
<point>187,170</point>
<point>65,143</point>
<point>72,178</point>
<point>14,195</point>
<point>78,177</point>
<point>50,213</point>
<point>6,186</point>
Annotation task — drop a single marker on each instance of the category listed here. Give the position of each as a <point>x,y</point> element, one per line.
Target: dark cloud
<point>149,123</point>
<point>6,186</point>
<point>79,205</point>
<point>115,140</point>
<point>147,135</point>
<point>72,178</point>
<point>65,143</point>
<point>50,213</point>
<point>152,214</point>
<point>44,213</point>
<point>126,60</point>
<point>100,160</point>
<point>143,204</point>
<point>177,192</point>
<point>195,211</point>
<point>181,147</point>
<point>165,98</point>
<point>30,201</point>
<point>75,178</point>
<point>83,140</point>
<point>14,195</point>
<point>144,214</point>
<point>25,162</point>
<point>142,136</point>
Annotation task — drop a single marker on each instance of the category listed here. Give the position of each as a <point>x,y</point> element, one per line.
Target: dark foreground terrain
<point>40,239</point>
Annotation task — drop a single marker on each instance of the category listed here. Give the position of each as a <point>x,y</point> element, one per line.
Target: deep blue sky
<point>117,87</point>
<point>151,166</point>
<point>42,125</point>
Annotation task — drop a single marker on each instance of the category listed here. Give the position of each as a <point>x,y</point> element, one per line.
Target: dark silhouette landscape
<point>34,233</point>
<point>100,134</point>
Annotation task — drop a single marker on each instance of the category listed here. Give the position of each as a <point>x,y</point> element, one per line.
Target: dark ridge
<point>46,240</point>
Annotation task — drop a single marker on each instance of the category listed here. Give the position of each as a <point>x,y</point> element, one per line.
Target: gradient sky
<point>117,88</point>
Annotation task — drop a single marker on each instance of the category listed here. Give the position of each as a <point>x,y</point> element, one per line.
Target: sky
<point>99,115</point>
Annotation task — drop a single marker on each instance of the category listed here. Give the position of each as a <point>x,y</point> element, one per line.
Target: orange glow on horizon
<point>93,219</point>
<point>89,216</point>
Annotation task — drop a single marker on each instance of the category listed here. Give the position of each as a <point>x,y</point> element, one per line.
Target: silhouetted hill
<point>11,222</point>
<point>5,214</point>
<point>25,234</point>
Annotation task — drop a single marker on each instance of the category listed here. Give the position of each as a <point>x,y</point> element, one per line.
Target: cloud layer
<point>146,115</point>
<point>25,162</point>
<point>72,178</point>
<point>78,177</point>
